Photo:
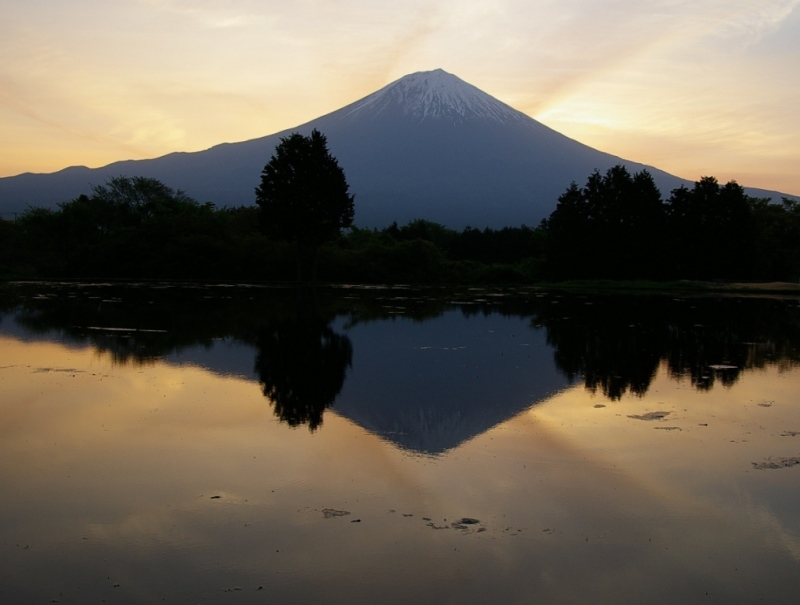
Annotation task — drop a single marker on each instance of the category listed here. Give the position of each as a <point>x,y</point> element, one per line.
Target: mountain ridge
<point>427,145</point>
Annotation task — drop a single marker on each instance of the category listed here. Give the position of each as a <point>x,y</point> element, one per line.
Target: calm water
<point>260,445</point>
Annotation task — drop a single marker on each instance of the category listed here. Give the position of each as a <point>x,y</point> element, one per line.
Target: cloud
<point>751,22</point>
<point>211,14</point>
<point>390,54</point>
<point>556,49</point>
<point>19,99</point>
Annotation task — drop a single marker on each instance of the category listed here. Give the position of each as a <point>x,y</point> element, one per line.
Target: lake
<point>248,444</point>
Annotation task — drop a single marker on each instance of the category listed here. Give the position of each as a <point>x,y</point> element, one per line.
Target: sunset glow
<point>700,88</point>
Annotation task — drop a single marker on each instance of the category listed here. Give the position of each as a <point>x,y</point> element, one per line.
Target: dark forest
<point>616,226</point>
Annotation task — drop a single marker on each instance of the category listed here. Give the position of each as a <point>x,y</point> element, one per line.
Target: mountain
<point>428,145</point>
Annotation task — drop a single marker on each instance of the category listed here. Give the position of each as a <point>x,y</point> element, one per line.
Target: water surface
<point>260,445</point>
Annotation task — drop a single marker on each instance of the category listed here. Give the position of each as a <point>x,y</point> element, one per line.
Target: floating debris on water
<point>650,415</point>
<point>773,463</point>
<point>332,512</point>
<point>114,329</point>
<point>464,523</point>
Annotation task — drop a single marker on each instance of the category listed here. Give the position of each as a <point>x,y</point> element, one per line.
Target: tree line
<point>118,233</point>
<point>616,226</point>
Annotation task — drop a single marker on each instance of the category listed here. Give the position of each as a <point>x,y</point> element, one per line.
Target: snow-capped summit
<point>434,94</point>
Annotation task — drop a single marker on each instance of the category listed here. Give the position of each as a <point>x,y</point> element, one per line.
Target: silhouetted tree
<point>304,196</point>
<point>9,248</point>
<point>611,228</point>
<point>776,253</point>
<point>138,198</point>
<point>712,230</point>
<point>569,232</point>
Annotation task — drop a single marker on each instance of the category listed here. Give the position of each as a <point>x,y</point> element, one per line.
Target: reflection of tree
<point>608,345</point>
<point>136,324</point>
<point>142,323</point>
<point>8,298</point>
<point>302,364</point>
<point>616,343</point>
<point>733,335</point>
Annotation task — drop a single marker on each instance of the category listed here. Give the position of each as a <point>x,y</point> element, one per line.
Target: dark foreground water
<point>260,445</point>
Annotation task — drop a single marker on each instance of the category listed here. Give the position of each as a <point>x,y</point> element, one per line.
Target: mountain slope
<point>428,145</point>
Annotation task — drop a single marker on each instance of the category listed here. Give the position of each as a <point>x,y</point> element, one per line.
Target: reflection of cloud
<point>762,515</point>
<point>668,468</point>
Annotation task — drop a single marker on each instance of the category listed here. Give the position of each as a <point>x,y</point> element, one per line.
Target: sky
<point>693,87</point>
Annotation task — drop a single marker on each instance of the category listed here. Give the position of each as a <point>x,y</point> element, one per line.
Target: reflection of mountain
<point>425,386</point>
<point>430,386</point>
<point>422,373</point>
